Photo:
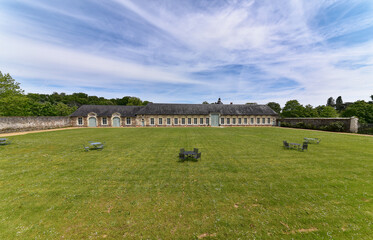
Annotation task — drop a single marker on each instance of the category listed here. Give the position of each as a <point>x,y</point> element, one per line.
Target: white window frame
<point>176,121</point>
<point>228,121</point>
<point>160,121</point>
<point>152,121</point>
<point>189,121</point>
<point>252,121</point>
<point>195,121</point>
<point>80,124</point>
<point>234,121</point>
<point>183,121</point>
<point>222,121</point>
<point>239,121</point>
<point>128,119</point>
<point>200,121</point>
<point>102,121</point>
<point>258,120</point>
<point>207,121</point>
<point>245,121</point>
<point>168,121</point>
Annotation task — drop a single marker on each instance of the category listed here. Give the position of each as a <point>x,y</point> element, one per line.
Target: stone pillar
<point>354,124</point>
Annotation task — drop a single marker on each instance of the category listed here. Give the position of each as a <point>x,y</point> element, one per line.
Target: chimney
<point>231,102</point>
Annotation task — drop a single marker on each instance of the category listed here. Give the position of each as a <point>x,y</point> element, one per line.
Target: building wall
<point>195,121</point>
<point>17,124</point>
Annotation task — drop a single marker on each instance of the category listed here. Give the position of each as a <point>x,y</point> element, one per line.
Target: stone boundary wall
<point>18,124</point>
<point>350,124</point>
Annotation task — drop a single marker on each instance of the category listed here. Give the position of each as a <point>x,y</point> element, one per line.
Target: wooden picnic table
<point>4,141</point>
<point>312,140</point>
<point>295,145</point>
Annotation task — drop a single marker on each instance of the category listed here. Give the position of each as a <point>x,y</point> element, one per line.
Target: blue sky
<point>191,51</point>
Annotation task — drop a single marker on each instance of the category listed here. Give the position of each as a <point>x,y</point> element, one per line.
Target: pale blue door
<point>116,122</point>
<point>214,120</point>
<point>92,122</point>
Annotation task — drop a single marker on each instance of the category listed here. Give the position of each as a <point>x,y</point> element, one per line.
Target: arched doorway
<point>116,122</point>
<point>92,122</point>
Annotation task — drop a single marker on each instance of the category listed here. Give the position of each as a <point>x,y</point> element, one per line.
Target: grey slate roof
<point>175,109</point>
<point>204,109</point>
<point>107,110</point>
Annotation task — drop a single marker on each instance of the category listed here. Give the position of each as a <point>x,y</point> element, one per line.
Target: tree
<point>360,109</point>
<point>339,104</point>
<point>8,86</point>
<point>326,111</point>
<point>205,102</point>
<point>330,102</point>
<point>309,111</point>
<point>292,108</point>
<point>275,107</point>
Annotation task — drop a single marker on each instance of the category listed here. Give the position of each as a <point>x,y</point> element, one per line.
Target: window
<point>245,121</point>
<point>269,120</point>
<point>258,120</point>
<point>80,121</point>
<point>233,121</point>
<point>263,120</point>
<point>207,121</point>
<point>228,121</point>
<point>151,121</point>
<point>252,120</point>
<point>104,121</point>
<point>189,121</point>
<point>222,121</point>
<point>159,121</point>
<point>128,121</point>
<point>201,121</point>
<point>195,121</point>
<point>183,121</point>
<point>168,121</point>
<point>239,121</point>
<point>176,121</point>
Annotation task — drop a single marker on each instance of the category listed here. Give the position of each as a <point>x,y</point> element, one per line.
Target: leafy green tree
<point>8,86</point>
<point>330,102</point>
<point>292,108</point>
<point>205,102</point>
<point>360,109</point>
<point>309,111</point>
<point>339,104</point>
<point>326,111</point>
<point>15,105</point>
<point>275,107</point>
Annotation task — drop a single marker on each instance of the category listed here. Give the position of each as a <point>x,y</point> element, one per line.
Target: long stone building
<point>170,115</point>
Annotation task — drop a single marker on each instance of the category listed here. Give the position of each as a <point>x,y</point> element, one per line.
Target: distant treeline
<point>361,109</point>
<point>14,102</point>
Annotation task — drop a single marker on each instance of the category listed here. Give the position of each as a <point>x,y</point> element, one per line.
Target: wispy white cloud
<point>242,51</point>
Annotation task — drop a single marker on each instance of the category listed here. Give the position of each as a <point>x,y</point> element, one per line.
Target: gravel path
<point>23,133</point>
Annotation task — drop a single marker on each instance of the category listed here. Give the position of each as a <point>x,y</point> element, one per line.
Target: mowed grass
<point>246,186</point>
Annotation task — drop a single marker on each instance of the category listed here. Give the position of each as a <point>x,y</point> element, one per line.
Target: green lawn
<point>245,186</point>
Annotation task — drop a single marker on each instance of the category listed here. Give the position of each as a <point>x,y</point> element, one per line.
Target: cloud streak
<point>242,51</point>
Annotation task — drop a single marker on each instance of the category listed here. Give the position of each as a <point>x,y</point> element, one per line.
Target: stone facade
<point>172,115</point>
<point>175,121</point>
<point>16,124</point>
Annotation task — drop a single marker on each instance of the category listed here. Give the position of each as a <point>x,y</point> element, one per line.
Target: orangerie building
<point>172,115</point>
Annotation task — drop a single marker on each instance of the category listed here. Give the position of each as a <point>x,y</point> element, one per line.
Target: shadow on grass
<point>188,159</point>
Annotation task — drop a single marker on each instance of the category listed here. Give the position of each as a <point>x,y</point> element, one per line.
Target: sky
<point>191,51</point>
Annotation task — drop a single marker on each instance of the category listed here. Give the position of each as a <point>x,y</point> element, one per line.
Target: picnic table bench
<point>186,154</point>
<point>4,141</point>
<point>312,140</point>
<point>94,146</point>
